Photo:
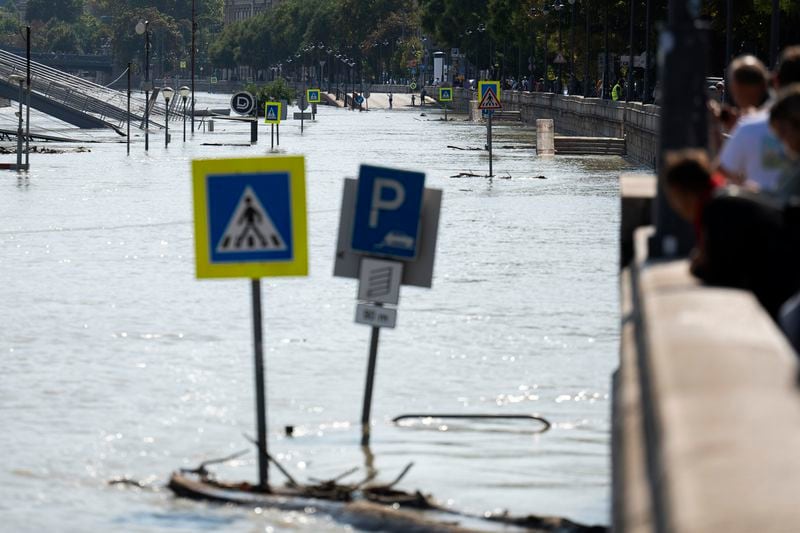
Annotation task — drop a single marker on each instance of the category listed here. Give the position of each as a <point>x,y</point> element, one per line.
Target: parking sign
<point>387,214</point>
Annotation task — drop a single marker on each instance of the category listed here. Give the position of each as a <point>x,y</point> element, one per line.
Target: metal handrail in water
<point>546,423</point>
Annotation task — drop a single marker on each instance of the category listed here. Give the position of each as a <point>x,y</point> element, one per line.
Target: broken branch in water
<point>467,175</point>
<point>398,478</point>
<point>460,148</point>
<point>201,469</point>
<point>337,478</point>
<point>292,481</point>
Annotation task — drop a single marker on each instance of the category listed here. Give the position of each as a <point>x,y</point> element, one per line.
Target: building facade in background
<point>236,10</point>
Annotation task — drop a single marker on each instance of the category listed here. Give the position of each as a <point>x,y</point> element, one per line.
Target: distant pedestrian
<point>413,100</point>
<point>390,100</point>
<point>616,91</point>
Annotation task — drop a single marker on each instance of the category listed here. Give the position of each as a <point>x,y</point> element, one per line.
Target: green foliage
<point>63,10</point>
<point>278,90</point>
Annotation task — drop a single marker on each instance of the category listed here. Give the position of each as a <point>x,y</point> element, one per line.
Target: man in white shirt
<point>753,154</point>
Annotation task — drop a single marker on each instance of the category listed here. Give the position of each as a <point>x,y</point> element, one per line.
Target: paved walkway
<point>399,101</point>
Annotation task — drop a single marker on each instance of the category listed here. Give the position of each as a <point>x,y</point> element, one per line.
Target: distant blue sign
<point>359,99</point>
<point>387,216</point>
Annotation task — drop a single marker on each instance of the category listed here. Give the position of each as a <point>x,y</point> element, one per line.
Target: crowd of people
<point>743,194</point>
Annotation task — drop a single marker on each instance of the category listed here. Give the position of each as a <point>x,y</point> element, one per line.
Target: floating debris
<point>5,150</point>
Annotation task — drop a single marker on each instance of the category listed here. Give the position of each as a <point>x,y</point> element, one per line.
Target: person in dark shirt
<point>743,239</point>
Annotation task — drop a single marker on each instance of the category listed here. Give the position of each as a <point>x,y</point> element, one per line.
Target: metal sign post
<point>27,97</point>
<point>367,408</point>
<point>128,139</point>
<point>272,116</point>
<point>445,95</point>
<point>489,102</point>
<point>387,237</point>
<point>250,221</point>
<point>261,402</point>
<point>489,142</point>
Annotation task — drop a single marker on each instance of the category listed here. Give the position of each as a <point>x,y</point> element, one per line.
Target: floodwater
<point>117,362</point>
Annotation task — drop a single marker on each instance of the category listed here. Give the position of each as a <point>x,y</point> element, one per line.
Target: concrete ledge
<point>719,408</point>
<point>637,192</point>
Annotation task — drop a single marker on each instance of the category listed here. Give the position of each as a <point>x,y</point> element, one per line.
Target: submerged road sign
<point>243,103</point>
<point>272,113</point>
<point>379,281</point>
<point>445,94</point>
<point>388,207</point>
<point>250,217</point>
<point>418,273</point>
<point>484,86</point>
<point>489,101</point>
<point>313,96</point>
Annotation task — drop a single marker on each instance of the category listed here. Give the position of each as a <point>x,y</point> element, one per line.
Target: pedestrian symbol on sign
<point>250,228</point>
<point>272,113</point>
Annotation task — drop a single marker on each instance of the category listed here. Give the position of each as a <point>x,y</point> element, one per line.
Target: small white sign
<point>376,316</point>
<point>379,281</point>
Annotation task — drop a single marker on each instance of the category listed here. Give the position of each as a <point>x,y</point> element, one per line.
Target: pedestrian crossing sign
<point>484,86</point>
<point>272,113</point>
<point>445,94</point>
<point>250,217</point>
<point>313,96</point>
<point>489,101</point>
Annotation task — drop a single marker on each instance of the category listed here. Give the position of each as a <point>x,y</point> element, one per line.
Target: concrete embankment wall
<point>706,408</point>
<point>591,117</point>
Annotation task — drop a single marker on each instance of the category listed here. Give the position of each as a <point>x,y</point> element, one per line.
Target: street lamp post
<point>571,44</point>
<point>605,55</point>
<point>167,93</point>
<point>143,27</point>
<point>558,6</point>
<point>194,51</point>
<point>586,86</point>
<point>546,46</point>
<point>184,91</point>
<point>629,82</point>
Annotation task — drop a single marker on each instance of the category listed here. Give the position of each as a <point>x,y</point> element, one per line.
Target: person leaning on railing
<point>743,239</point>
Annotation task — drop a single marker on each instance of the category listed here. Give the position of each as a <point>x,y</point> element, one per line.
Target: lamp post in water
<point>167,92</point>
<point>143,27</point>
<point>571,81</point>
<point>184,91</point>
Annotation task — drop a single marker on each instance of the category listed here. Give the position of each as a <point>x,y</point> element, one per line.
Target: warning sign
<point>489,102</point>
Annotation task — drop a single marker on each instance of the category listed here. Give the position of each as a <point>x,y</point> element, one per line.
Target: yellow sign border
<point>308,96</point>
<point>489,82</point>
<point>440,94</point>
<point>295,166</point>
<point>280,112</point>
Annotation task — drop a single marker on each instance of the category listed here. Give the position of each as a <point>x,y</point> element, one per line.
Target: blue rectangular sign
<point>249,217</point>
<point>387,213</point>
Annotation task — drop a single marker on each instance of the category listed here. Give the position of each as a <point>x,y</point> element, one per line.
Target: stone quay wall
<point>590,117</point>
